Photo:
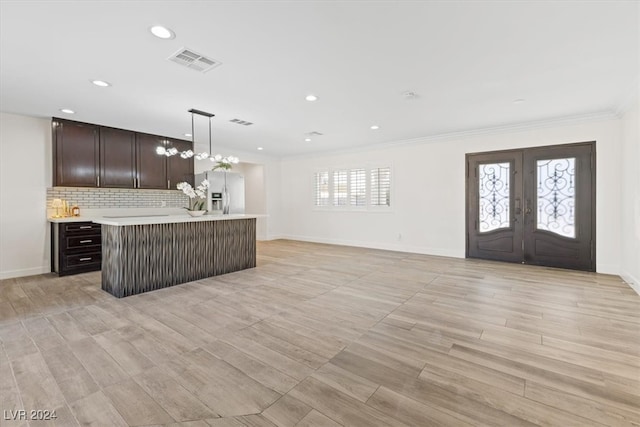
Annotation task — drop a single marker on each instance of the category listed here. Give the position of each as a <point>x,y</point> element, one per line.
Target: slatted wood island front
<point>147,253</point>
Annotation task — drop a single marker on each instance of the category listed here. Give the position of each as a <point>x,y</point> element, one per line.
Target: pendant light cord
<point>193,133</point>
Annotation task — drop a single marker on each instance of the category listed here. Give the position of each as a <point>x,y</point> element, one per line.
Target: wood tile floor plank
<point>322,335</point>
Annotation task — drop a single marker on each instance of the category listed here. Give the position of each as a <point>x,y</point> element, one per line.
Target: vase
<point>197,213</point>
<point>226,199</point>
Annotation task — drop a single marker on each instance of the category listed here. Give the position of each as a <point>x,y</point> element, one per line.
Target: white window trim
<point>381,208</point>
<point>368,207</point>
<point>313,191</point>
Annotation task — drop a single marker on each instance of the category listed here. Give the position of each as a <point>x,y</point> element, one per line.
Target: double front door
<point>533,206</point>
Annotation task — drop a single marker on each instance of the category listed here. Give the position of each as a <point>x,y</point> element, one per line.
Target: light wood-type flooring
<point>321,335</point>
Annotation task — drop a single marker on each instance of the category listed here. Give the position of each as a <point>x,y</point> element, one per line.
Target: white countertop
<point>169,219</point>
<point>122,218</point>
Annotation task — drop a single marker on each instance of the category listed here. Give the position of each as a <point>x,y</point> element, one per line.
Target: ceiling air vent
<point>190,59</point>
<point>241,122</point>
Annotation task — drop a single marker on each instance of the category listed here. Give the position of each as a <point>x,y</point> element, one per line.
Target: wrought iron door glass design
<point>556,196</point>
<point>494,196</point>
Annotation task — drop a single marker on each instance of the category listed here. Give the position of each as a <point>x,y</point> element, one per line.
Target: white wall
<point>25,174</point>
<point>630,212</point>
<point>429,191</point>
<point>255,200</point>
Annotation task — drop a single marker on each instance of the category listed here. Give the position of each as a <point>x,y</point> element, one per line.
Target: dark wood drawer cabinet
<point>75,247</point>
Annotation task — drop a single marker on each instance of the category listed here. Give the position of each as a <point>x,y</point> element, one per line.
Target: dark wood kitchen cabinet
<point>76,154</point>
<point>151,167</point>
<point>179,169</point>
<point>87,155</point>
<point>117,158</point>
<point>76,247</point>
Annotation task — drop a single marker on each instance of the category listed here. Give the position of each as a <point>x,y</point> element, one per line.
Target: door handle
<point>527,210</point>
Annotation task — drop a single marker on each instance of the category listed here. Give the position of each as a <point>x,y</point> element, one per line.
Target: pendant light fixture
<point>229,160</point>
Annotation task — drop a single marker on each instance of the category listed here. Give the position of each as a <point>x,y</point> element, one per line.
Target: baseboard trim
<point>11,274</point>
<point>272,237</point>
<point>373,245</point>
<point>608,269</point>
<point>633,282</point>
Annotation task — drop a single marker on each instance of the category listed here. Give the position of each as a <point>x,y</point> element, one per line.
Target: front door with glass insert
<point>535,206</point>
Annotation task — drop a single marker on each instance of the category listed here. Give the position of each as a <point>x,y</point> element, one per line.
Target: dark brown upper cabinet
<point>117,158</point>
<point>152,167</point>
<point>76,154</point>
<point>179,169</point>
<point>87,155</point>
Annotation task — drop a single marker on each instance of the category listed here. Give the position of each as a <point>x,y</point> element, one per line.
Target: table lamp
<point>57,204</point>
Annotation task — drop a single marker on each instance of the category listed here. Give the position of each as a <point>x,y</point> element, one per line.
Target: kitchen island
<point>145,253</point>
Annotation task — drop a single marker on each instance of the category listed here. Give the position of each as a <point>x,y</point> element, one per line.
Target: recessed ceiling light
<point>518,101</point>
<point>260,148</point>
<point>67,111</point>
<point>101,83</point>
<point>311,98</point>
<point>188,135</point>
<point>375,127</point>
<point>162,32</point>
<point>307,139</point>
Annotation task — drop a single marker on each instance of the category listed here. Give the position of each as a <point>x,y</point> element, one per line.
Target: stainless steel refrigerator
<point>235,188</point>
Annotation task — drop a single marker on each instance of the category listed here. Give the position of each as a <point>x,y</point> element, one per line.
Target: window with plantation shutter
<point>340,195</point>
<point>322,188</point>
<point>381,187</point>
<point>358,187</point>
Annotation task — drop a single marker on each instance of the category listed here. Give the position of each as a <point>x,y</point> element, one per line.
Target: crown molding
<point>629,99</point>
<point>518,127</point>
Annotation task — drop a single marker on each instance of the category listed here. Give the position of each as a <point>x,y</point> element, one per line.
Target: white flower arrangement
<point>224,163</point>
<point>197,196</point>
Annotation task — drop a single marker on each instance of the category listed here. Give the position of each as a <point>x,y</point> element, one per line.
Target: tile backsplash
<point>102,198</point>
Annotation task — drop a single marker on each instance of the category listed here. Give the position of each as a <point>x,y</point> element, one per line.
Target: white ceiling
<point>468,61</point>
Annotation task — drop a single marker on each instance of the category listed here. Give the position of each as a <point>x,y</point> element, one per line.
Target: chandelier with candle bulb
<point>187,154</point>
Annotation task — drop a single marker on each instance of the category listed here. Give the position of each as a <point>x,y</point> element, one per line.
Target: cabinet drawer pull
<point>84,227</point>
<point>85,259</point>
<point>86,241</point>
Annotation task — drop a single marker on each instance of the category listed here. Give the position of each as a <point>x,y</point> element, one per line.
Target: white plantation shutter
<point>340,187</point>
<point>322,188</point>
<point>358,187</point>
<point>381,187</point>
<point>353,189</point>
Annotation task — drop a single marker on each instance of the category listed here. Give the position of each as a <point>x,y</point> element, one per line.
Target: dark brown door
<point>559,197</point>
<point>117,158</point>
<point>179,169</point>
<point>495,199</point>
<point>76,154</point>
<point>534,206</point>
<point>151,167</point>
